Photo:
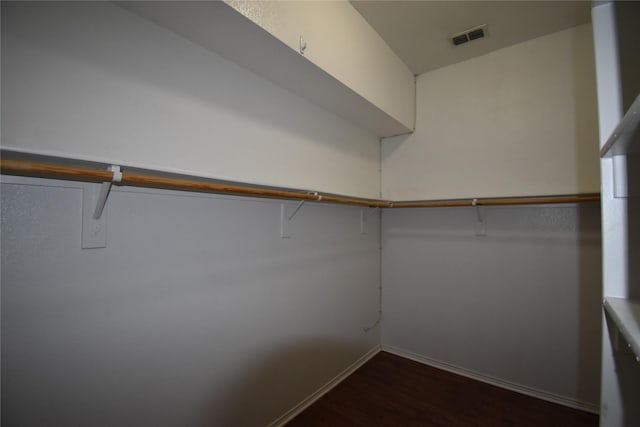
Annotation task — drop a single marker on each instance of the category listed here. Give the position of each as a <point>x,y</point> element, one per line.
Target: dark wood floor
<point>393,391</point>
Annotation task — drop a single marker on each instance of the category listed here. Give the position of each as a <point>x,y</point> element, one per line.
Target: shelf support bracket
<point>295,211</point>
<point>481,225</point>
<point>285,218</point>
<point>94,222</point>
<point>362,221</point>
<point>105,189</point>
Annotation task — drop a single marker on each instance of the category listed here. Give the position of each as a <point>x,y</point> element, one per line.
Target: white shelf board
<point>625,139</point>
<point>626,315</point>
<point>219,28</point>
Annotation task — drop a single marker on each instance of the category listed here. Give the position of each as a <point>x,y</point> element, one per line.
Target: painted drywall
<point>617,67</point>
<point>519,121</point>
<point>519,307</point>
<point>94,81</point>
<point>196,313</point>
<point>343,44</point>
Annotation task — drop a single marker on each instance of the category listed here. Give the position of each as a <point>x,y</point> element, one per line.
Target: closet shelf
<point>218,27</point>
<point>625,139</point>
<point>626,315</point>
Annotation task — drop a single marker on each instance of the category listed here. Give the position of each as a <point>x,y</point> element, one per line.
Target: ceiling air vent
<point>469,35</point>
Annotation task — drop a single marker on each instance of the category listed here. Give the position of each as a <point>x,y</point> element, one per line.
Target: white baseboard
<point>518,388</point>
<point>290,414</point>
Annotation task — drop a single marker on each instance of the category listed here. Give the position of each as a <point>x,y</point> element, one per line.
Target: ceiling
<point>419,31</point>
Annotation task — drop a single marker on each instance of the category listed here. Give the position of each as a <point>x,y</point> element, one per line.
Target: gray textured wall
<point>520,305</point>
<point>196,313</point>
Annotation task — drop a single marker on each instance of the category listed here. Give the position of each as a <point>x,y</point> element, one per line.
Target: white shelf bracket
<point>105,188</point>
<point>94,221</point>
<point>481,225</point>
<point>104,191</point>
<point>295,211</point>
<point>285,218</point>
<point>94,231</point>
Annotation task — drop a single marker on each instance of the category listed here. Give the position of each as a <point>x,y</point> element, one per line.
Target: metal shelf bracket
<point>104,191</point>
<point>286,218</point>
<point>481,225</point>
<point>94,223</point>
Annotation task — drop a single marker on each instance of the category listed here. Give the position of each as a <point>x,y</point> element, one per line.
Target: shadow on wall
<point>589,301</point>
<point>626,17</point>
<point>280,381</point>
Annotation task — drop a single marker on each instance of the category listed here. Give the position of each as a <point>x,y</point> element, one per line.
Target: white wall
<point>196,313</point>
<point>196,306</point>
<point>519,307</point>
<point>92,80</point>
<point>519,121</point>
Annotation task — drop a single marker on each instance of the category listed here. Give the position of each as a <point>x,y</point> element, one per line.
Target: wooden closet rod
<point>47,170</point>
<point>499,202</point>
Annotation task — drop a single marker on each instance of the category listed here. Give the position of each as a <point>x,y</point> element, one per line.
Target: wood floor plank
<point>393,391</point>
